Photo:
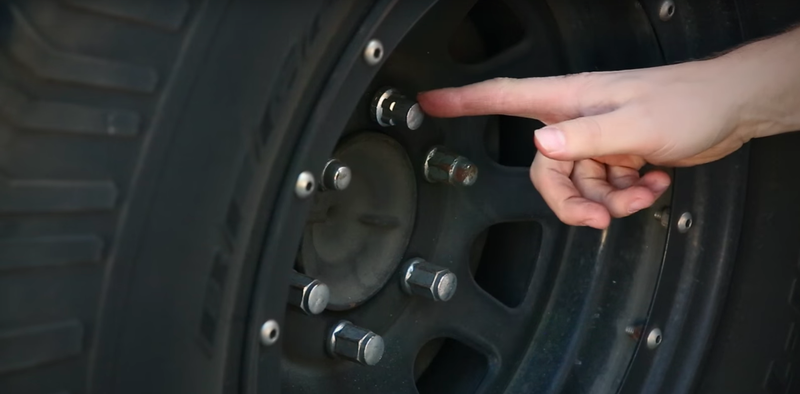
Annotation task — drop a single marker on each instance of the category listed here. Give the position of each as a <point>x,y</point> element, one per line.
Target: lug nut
<point>428,280</point>
<point>336,175</point>
<point>356,344</point>
<point>443,166</point>
<point>391,108</point>
<point>308,294</point>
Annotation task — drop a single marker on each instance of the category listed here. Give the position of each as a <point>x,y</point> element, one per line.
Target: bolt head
<point>446,287</point>
<point>308,294</point>
<point>317,298</point>
<point>414,117</point>
<point>356,344</point>
<point>429,280</point>
<point>373,349</point>
<point>443,166</point>
<point>463,172</point>
<point>336,175</point>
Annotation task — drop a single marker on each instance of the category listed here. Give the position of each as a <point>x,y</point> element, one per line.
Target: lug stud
<point>336,175</point>
<point>428,280</point>
<point>308,294</point>
<point>391,108</point>
<point>663,216</point>
<point>443,166</point>
<point>356,344</point>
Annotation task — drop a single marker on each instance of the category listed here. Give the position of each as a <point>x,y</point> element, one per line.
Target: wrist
<point>763,83</point>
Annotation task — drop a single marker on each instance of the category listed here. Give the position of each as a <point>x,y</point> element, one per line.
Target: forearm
<point>765,76</point>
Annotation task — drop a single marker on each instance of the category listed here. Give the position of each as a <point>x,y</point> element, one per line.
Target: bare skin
<point>602,128</point>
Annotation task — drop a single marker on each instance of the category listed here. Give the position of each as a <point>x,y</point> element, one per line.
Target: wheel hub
<point>357,237</point>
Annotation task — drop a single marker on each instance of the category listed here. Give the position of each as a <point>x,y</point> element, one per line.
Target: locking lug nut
<point>308,294</point>
<point>428,280</point>
<point>443,166</point>
<point>391,108</point>
<point>356,344</point>
<point>336,176</point>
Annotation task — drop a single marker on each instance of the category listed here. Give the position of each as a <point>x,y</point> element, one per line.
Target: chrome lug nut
<point>308,294</point>
<point>428,280</point>
<point>443,166</point>
<point>354,343</point>
<point>336,175</point>
<point>391,108</point>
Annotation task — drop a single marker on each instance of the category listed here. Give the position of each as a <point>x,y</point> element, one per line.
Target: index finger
<point>539,98</point>
<point>552,179</point>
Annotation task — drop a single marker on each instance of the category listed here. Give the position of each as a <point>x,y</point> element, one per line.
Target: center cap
<point>356,238</point>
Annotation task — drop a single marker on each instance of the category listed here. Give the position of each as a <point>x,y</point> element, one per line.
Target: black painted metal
<point>567,334</point>
<point>698,264</point>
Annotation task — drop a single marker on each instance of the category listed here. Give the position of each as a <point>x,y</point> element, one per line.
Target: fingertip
<point>439,103</point>
<point>599,222</point>
<point>625,202</point>
<point>550,141</point>
<point>657,181</point>
<point>582,212</point>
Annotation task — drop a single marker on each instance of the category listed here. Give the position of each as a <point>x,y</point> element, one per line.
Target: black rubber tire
<point>142,142</point>
<point>756,349</point>
<point>141,148</point>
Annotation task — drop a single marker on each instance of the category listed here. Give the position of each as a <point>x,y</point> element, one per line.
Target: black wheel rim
<point>566,331</point>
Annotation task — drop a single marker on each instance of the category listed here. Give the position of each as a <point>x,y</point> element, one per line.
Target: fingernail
<point>637,206</point>
<point>551,139</point>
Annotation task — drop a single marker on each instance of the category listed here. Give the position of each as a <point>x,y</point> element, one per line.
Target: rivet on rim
<point>373,52</point>
<point>685,222</point>
<point>654,338</point>
<point>270,332</point>
<point>667,10</point>
<point>305,184</point>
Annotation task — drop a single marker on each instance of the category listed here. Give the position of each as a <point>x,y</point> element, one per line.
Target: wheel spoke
<point>504,194</point>
<point>433,32</point>
<point>477,317</point>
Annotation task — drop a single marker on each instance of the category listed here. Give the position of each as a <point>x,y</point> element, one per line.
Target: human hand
<point>604,127</point>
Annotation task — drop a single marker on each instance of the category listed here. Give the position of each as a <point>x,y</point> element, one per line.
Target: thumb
<point>538,98</point>
<point>612,133</point>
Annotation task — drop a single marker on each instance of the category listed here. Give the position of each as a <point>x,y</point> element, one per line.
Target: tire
<point>143,143</point>
<point>146,147</point>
